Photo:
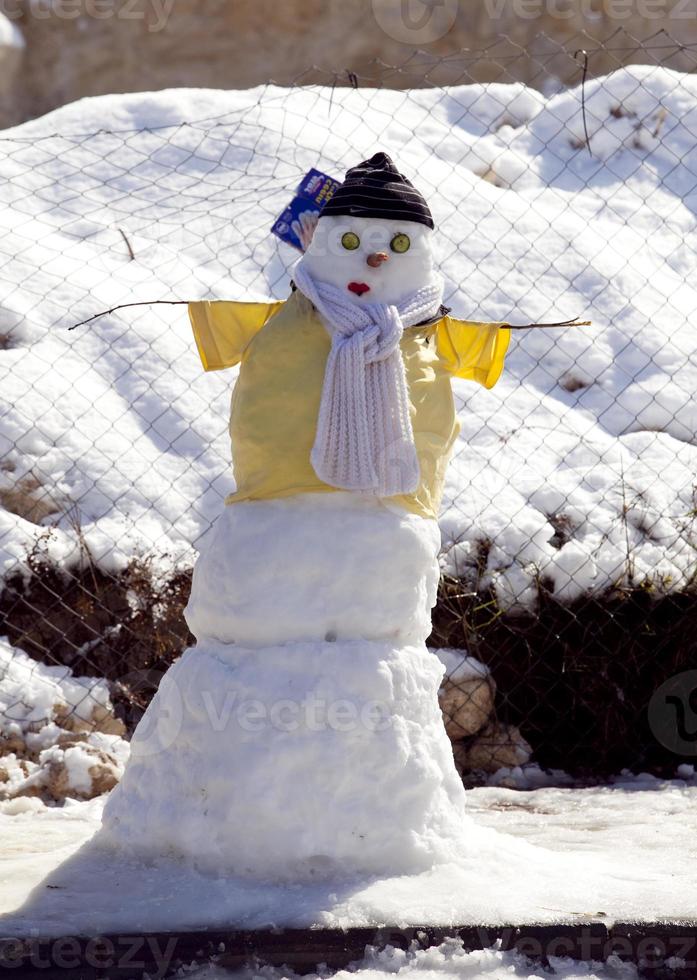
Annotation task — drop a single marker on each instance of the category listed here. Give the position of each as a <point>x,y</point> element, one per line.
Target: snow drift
<point>578,467</point>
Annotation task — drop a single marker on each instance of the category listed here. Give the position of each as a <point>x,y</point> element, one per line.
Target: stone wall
<point>90,47</point>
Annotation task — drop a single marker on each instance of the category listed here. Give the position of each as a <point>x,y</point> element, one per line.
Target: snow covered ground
<point>590,433</point>
<point>624,852</point>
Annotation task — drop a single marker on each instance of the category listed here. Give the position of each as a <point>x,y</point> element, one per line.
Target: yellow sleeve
<point>471,350</point>
<point>222,329</point>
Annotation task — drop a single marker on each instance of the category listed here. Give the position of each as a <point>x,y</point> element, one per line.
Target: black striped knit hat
<point>376,189</point>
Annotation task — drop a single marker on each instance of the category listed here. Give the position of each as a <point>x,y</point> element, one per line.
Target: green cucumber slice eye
<point>350,240</point>
<point>400,243</point>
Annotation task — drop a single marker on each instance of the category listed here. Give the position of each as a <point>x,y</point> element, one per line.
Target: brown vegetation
<point>126,627</point>
<point>577,678</point>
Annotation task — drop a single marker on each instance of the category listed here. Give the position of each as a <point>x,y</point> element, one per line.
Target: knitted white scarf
<point>364,438</point>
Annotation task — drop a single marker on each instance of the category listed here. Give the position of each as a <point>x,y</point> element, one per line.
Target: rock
<point>68,739</point>
<point>79,770</point>
<point>26,789</point>
<point>101,720</point>
<point>70,768</point>
<point>105,775</point>
<point>65,741</point>
<point>27,498</point>
<point>12,743</point>
<point>496,747</point>
<point>18,777</point>
<point>466,704</point>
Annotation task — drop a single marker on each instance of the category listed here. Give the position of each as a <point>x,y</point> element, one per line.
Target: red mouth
<point>359,288</point>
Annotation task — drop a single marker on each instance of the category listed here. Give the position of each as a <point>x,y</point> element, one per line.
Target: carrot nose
<point>375,259</point>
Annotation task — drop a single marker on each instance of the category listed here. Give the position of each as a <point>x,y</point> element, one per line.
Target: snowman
<point>301,738</point>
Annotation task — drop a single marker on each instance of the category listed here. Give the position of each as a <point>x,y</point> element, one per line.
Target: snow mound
<point>459,666</point>
<point>578,468</point>
<point>31,693</point>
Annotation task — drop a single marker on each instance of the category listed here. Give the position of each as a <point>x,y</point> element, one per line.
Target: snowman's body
<point>302,735</point>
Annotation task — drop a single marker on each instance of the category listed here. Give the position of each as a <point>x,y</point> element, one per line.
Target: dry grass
<point>577,678</point>
<point>28,499</point>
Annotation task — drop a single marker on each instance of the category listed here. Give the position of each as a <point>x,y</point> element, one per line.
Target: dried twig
<point>124,306</point>
<point>660,119</point>
<point>574,322</point>
<point>583,95</point>
<point>128,244</point>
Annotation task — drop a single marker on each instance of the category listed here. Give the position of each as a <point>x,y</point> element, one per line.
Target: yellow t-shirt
<point>282,349</point>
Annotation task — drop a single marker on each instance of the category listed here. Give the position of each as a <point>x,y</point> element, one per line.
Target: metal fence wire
<point>567,601</point>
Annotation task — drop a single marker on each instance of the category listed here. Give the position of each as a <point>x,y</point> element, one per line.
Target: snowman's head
<point>374,260</point>
<point>374,238</point>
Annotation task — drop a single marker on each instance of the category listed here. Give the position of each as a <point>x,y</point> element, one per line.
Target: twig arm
<point>124,306</point>
<point>574,322</point>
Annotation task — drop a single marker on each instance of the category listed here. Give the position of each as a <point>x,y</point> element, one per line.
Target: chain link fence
<point>567,615</point>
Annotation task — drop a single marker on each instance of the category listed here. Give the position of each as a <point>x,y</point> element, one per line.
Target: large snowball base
<point>306,760</point>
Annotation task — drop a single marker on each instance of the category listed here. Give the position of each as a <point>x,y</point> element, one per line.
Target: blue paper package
<point>297,223</point>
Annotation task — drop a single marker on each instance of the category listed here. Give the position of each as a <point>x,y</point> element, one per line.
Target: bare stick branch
<point>124,306</point>
<point>574,322</point>
<point>128,244</point>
